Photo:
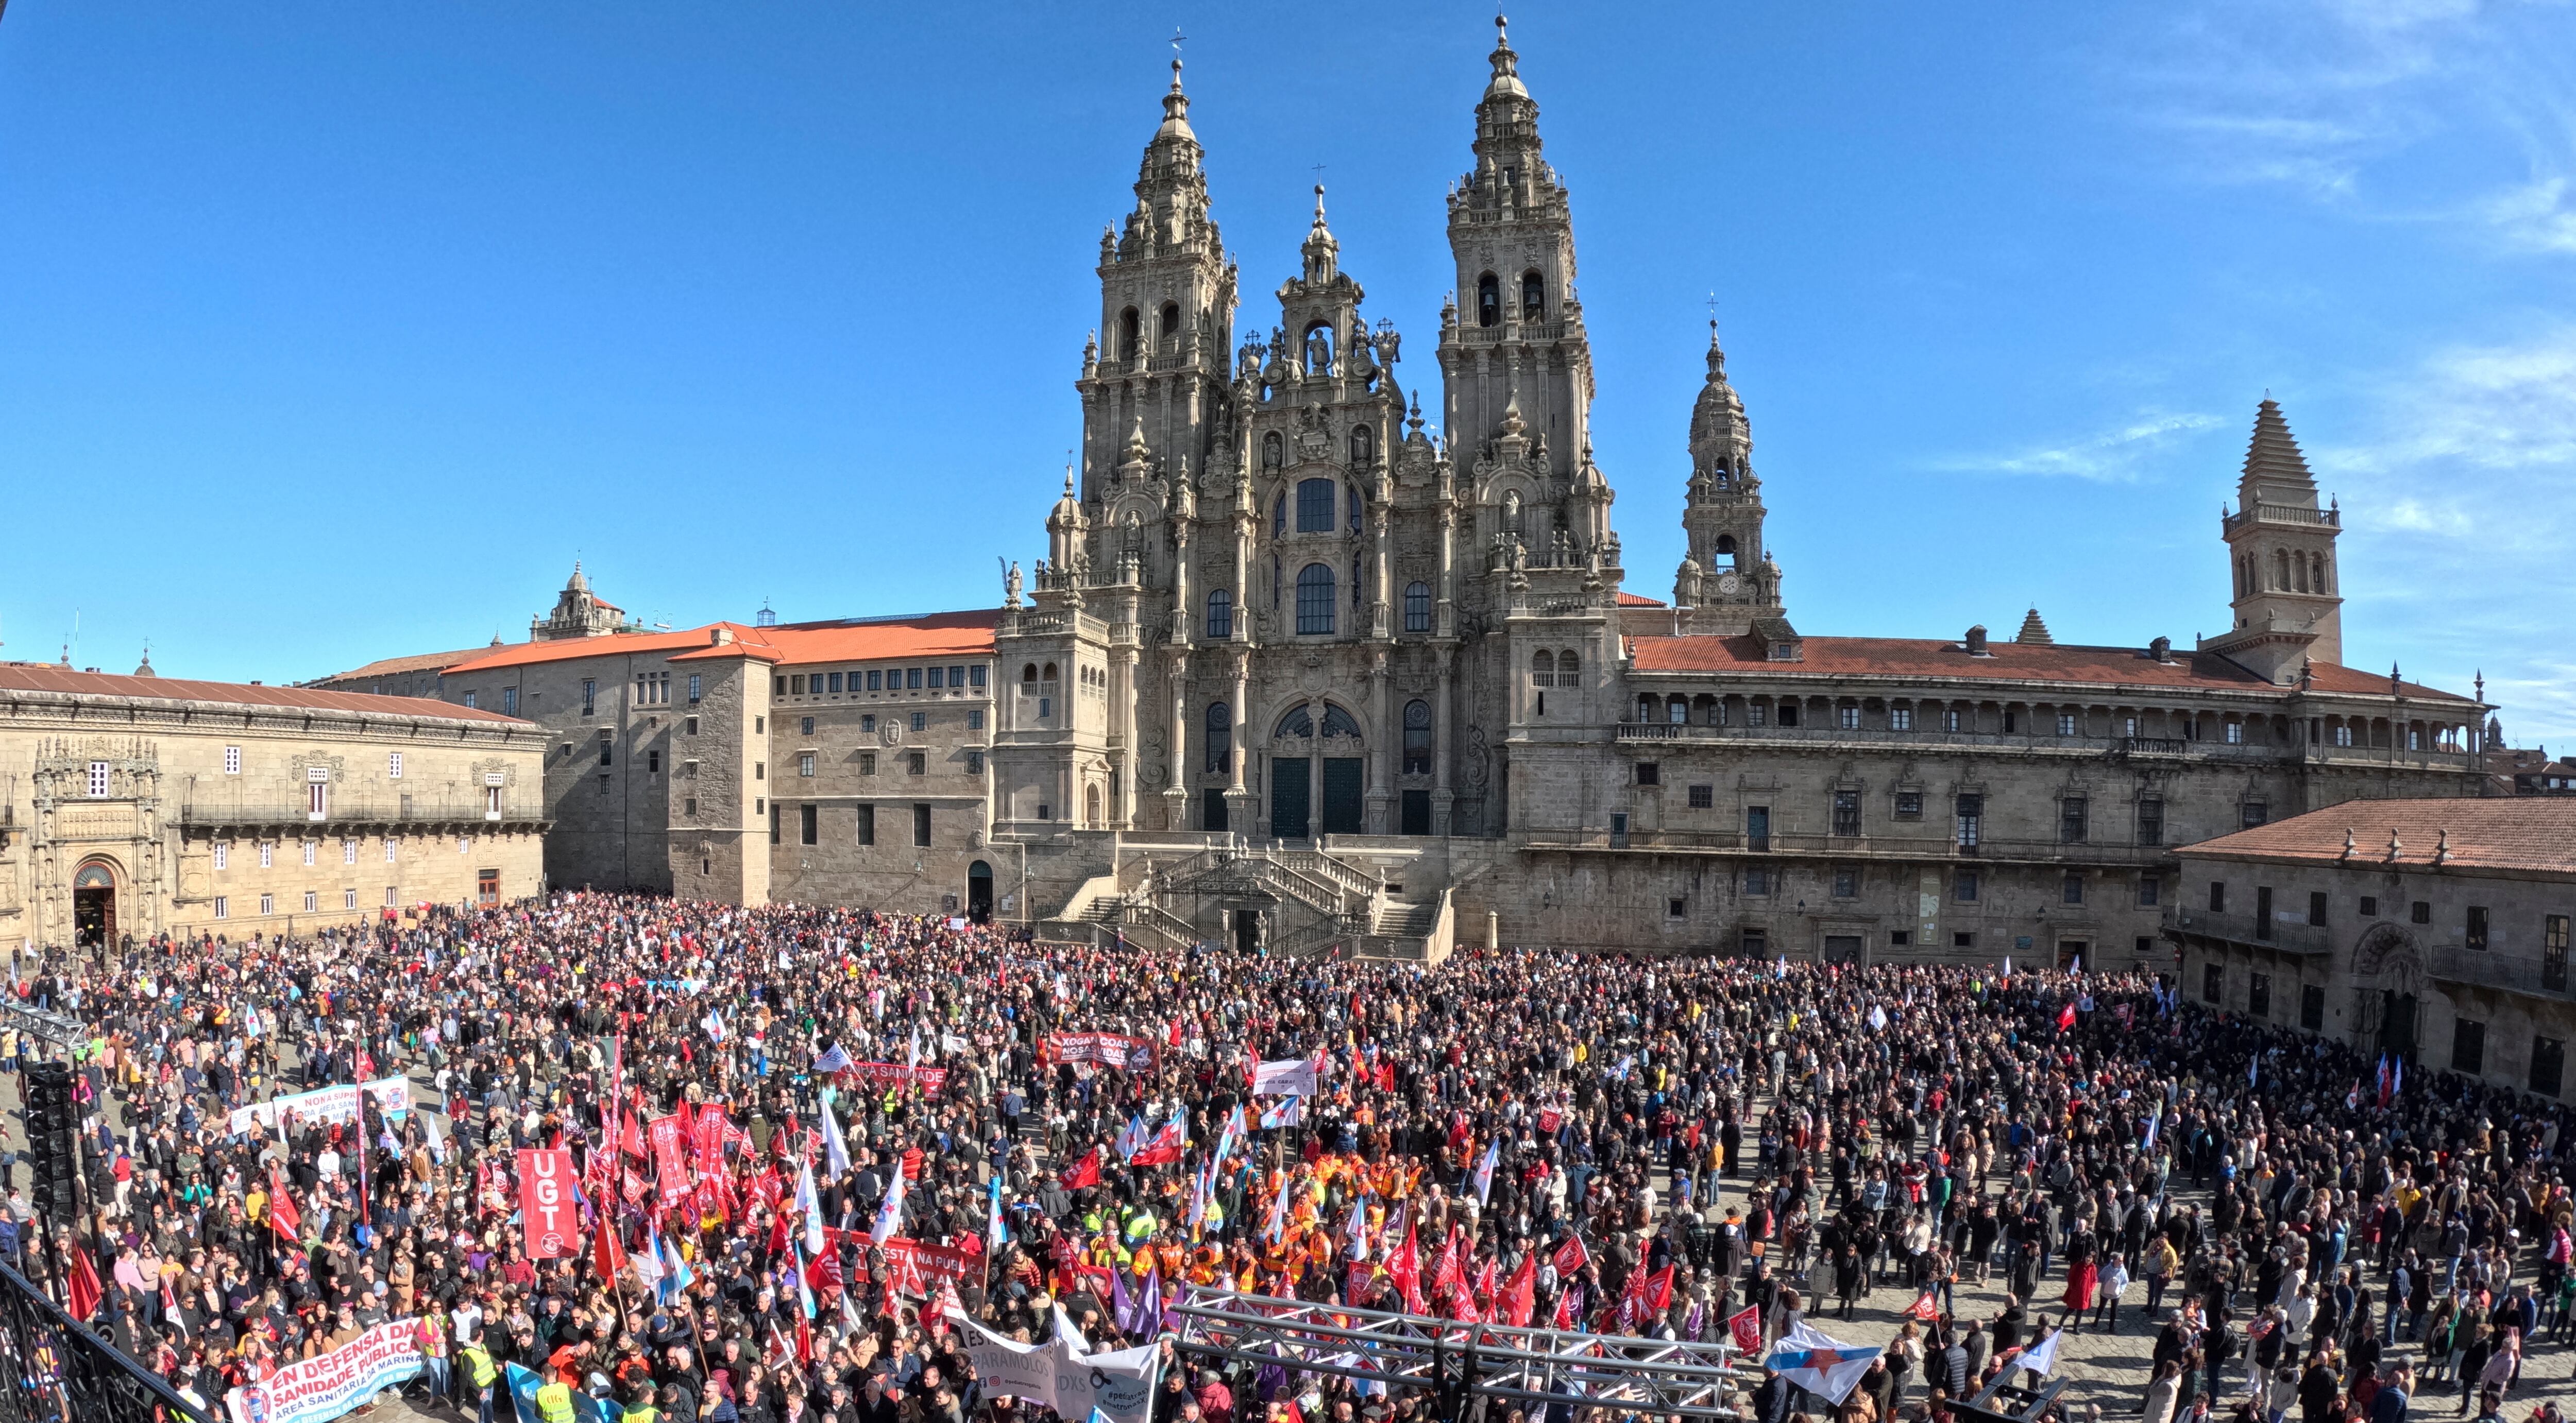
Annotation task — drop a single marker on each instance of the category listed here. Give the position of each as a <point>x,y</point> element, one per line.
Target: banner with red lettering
<point>888,1074</point>
<point>670,1167</point>
<point>1107,1049</point>
<point>315,1390</point>
<point>546,1214</point>
<point>919,1268</point>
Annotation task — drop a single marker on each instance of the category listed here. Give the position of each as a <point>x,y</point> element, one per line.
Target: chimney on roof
<point>1977,641</point>
<point>720,637</point>
<point>2442,849</point>
<point>2161,649</point>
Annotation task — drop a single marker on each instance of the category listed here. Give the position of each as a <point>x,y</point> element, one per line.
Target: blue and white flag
<point>836,1152</point>
<point>1819,1363</point>
<point>810,1205</point>
<point>835,1058</point>
<point>715,1028</point>
<point>1485,1169</point>
<point>994,1234</point>
<point>1288,1111</point>
<point>890,1214</point>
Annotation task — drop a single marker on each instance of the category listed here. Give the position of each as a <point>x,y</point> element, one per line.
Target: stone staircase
<point>1314,902</point>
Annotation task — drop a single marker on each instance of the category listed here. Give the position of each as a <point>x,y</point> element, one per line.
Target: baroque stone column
<point>1385,735</point>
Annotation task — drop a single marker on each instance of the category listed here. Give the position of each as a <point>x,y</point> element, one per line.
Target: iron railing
<point>57,1371</point>
<point>2279,936</point>
<point>2545,978</point>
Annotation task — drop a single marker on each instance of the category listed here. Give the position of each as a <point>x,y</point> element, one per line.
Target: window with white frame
<point>348,852</point>
<point>390,842</point>
<point>1900,718</point>
<point>389,896</point>
<point>1849,717</point>
<point>223,907</point>
<point>232,760</point>
<point>348,899</point>
<point>317,793</point>
<point>268,904</point>
<point>97,779</point>
<point>2235,733</point>
<point>465,844</point>
<point>312,901</point>
<point>267,853</point>
<point>393,765</point>
<point>309,847</point>
<point>223,854</point>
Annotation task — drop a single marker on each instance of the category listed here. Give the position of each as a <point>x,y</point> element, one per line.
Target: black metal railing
<point>57,1371</point>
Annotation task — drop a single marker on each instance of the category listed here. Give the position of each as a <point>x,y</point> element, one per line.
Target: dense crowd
<point>1636,1146</point>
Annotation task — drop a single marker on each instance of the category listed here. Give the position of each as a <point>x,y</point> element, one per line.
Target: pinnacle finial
<point>1502,31</point>
<point>1319,204</point>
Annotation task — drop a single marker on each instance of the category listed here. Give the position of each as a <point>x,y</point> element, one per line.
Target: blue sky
<point>336,332</point>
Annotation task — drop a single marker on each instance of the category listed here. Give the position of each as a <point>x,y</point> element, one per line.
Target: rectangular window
<point>317,796</point>
<point>389,896</point>
<point>918,762</point>
<point>223,854</point>
<point>2066,723</point>
<point>469,701</point>
<point>98,779</point>
<point>974,763</point>
<point>2012,721</point>
<point>773,825</point>
<point>2072,819</point>
<point>912,679</point>
<point>653,763</point>
<point>268,904</point>
<point>867,763</point>
<point>393,765</point>
<point>2312,1007</point>
<point>1909,805</point>
<point>936,678</point>
<point>606,745</point>
<point>2072,891</point>
<point>975,719</point>
<point>1757,880</point>
<point>2476,928</point>
<point>1754,712</point>
<point>867,825</point>
<point>1046,708</point>
<point>1900,718</point>
<point>1963,938</point>
<point>921,721</point>
<point>2256,813</point>
<point>2263,911</point>
<point>309,848</point>
<point>807,818</point>
<point>312,901</point>
<point>689,726</point>
<point>805,726</point>
<point>2316,907</point>
<point>1650,773</point>
<point>2213,982</point>
<point>267,853</point>
<point>1848,718</point>
<point>1757,827</point>
<point>1757,945</point>
<point>2151,820</point>
<point>2258,995</point>
<point>1847,812</point>
<point>390,843</point>
<point>1949,720</point>
<point>1703,797</point>
<point>975,676</point>
<point>1971,810</point>
<point>697,687</point>
<point>589,694</point>
<point>921,825</point>
<point>760,770</point>
<point>348,899</point>
<point>2151,891</point>
<point>835,680</point>
<point>2235,733</point>
<point>689,804</point>
<point>2468,1047</point>
<point>1963,886</point>
<point>805,763</point>
<point>876,681</point>
<point>223,907</point>
<point>868,724</point>
<point>348,852</point>
<point>2548,1066</point>
<point>2218,896</point>
<point>2420,912</point>
<point>1788,713</point>
<point>2370,906</point>
<point>1846,882</point>
<point>2553,953</point>
<point>232,760</point>
<point>509,707</point>
<point>781,688</point>
<point>1676,908</point>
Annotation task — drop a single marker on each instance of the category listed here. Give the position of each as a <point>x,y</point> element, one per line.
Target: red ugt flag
<point>1746,1330</point>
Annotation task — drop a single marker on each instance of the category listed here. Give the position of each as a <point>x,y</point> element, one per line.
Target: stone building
<point>2434,931</point>
<point>137,805</point>
<point>1294,672</point>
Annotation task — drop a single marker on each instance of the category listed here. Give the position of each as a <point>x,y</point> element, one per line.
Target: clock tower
<point>1726,581</point>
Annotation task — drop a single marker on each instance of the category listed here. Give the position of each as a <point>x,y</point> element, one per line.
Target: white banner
<point>1059,1375</point>
<point>1296,1076</point>
<point>326,1104</point>
<point>315,1390</point>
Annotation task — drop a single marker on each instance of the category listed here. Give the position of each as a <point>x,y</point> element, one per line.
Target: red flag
<point>283,1217</point>
<point>1445,1274</point>
<point>1564,1317</point>
<point>1485,1282</point>
<point>1659,1291</point>
<point>545,1204</point>
<point>1164,1148</point>
<point>1462,1306</point>
<point>1926,1307</point>
<point>1386,1075</point>
<point>1406,1266</point>
<point>1569,1257</point>
<point>1520,1297</point>
<point>607,1253</point>
<point>804,1343</point>
<point>1085,1172</point>
<point>2066,1017</point>
<point>1746,1329</point>
<point>1174,1037</point>
<point>82,1286</point>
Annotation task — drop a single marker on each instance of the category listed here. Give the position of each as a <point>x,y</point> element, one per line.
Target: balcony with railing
<point>1784,737</point>
<point>354,811</point>
<point>2281,935</point>
<point>2304,515</point>
<point>1808,844</point>
<point>2482,968</point>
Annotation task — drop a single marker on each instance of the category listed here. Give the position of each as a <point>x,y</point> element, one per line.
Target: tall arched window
<point>1314,506</point>
<point>1357,507</point>
<point>1543,670</point>
<point>1489,301</point>
<point>1338,722</point>
<point>2317,573</point>
<point>2281,569</point>
<point>1127,334</point>
<point>1417,738</point>
<point>1569,669</point>
<point>1279,517</point>
<point>1220,737</point>
<point>1417,607</point>
<point>1220,618</point>
<point>1315,598</point>
<point>1363,446</point>
<point>1171,324</point>
<point>1029,673</point>
<point>1273,452</point>
<point>1533,296</point>
<point>1726,548</point>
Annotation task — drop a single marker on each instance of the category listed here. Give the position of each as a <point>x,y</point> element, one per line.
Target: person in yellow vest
<point>642,1412</point>
<point>554,1398</point>
<point>479,1373</point>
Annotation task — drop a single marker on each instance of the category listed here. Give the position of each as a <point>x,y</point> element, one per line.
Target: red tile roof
<point>958,634</point>
<point>2006,662</point>
<point>46,677</point>
<point>1639,600</point>
<point>2504,832</point>
<point>417,662</point>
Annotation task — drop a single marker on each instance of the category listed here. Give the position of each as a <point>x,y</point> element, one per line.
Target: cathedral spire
<point>1320,249</point>
<point>1726,569</point>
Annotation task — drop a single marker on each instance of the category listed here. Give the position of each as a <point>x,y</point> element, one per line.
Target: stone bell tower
<point>2288,602</point>
<point>1725,574</point>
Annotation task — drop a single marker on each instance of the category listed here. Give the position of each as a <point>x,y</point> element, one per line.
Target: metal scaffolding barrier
<point>1454,1362</point>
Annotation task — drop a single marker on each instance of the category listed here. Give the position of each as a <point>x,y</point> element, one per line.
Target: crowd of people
<point>816,1150</point>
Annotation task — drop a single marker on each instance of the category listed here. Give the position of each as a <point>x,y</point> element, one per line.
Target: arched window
<point>1314,506</point>
<point>1726,548</point>
<point>1297,723</point>
<point>1338,722</point>
<point>1220,737</point>
<point>2281,569</point>
<point>1029,673</point>
<point>2317,573</point>
<point>1489,301</point>
<point>1048,675</point>
<point>1352,502</point>
<point>1417,738</point>
<point>1417,607</point>
<point>1569,669</point>
<point>1171,323</point>
<point>1315,597</point>
<point>1533,296</point>
<point>1127,334</point>
<point>1363,446</point>
<point>1543,670</point>
<point>1273,452</point>
<point>1279,517</point>
<point>1220,620</point>
<point>1091,806</point>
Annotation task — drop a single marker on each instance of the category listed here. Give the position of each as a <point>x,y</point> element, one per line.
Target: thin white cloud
<point>2113,457</point>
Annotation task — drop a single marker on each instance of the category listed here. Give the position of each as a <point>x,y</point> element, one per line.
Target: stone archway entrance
<point>2389,967</point>
<point>1307,797</point>
<point>94,905</point>
<point>979,892</point>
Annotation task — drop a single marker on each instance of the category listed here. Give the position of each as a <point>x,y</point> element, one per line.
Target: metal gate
<point>60,1372</point>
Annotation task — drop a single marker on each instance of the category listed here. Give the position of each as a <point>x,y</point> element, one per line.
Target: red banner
<point>1107,1049</point>
<point>670,1166</point>
<point>889,1074</point>
<point>546,1214</point>
<point>916,1267</point>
